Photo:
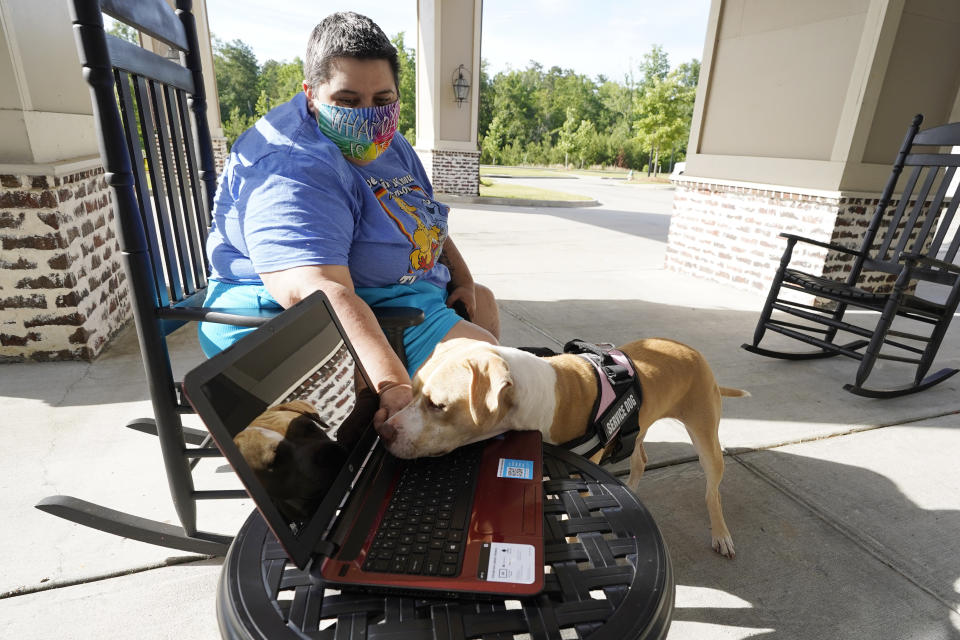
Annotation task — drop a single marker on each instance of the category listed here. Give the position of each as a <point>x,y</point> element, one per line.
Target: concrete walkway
<point>845,511</point>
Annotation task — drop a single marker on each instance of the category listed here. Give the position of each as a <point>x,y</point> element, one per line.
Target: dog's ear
<point>489,385</point>
<point>258,450</point>
<point>301,407</point>
<point>302,427</point>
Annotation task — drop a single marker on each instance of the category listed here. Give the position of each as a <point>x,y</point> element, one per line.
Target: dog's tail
<point>730,392</point>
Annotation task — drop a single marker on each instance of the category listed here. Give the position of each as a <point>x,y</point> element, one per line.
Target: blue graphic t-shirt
<point>288,198</point>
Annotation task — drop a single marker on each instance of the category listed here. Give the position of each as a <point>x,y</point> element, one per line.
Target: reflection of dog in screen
<point>291,454</point>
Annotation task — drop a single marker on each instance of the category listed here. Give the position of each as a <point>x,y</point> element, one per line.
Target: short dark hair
<point>346,34</point>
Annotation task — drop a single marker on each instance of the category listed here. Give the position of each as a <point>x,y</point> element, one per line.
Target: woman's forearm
<point>378,358</point>
<point>382,365</point>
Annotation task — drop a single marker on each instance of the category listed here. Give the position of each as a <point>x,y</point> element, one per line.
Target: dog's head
<point>460,395</point>
<point>294,458</point>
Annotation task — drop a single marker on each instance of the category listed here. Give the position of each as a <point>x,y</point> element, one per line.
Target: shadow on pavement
<point>824,550</point>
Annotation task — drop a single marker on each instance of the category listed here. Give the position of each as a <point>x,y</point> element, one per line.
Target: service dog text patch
<point>519,469</point>
<point>624,409</point>
<point>507,562</point>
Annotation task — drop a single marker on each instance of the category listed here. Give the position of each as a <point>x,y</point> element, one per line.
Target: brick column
<point>62,291</point>
<point>220,153</point>
<point>455,172</point>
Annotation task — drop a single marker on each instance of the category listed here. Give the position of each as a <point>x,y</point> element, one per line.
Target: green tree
<point>654,66</point>
<point>689,73</point>
<point>236,124</point>
<point>531,115</point>
<point>237,74</point>
<point>664,112</point>
<point>567,138</point>
<point>617,104</point>
<point>494,141</point>
<point>280,81</point>
<point>408,88</point>
<point>585,142</point>
<point>514,101</point>
<point>486,99</point>
<point>124,32</point>
<point>262,106</point>
<point>575,92</point>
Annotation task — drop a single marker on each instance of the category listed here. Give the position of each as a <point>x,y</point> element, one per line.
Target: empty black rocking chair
<point>915,243</point>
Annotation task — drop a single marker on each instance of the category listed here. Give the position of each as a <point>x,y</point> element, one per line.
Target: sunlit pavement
<point>844,510</point>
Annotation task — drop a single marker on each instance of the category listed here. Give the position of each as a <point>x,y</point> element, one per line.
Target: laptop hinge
<point>325,548</point>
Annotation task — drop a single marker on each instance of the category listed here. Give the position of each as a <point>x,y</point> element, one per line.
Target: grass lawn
<point>609,173</point>
<point>520,172</point>
<point>492,189</point>
<point>639,177</point>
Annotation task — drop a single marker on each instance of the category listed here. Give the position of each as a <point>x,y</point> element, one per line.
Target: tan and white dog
<point>291,454</point>
<point>469,391</point>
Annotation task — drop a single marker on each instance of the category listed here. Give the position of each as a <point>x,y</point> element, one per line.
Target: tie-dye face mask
<point>362,133</point>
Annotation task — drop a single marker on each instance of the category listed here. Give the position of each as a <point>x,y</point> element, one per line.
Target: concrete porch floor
<point>844,510</point>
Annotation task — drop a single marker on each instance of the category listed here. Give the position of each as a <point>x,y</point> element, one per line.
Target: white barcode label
<point>511,563</point>
<point>520,469</point>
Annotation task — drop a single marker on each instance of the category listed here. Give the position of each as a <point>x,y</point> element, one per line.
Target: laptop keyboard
<point>424,528</point>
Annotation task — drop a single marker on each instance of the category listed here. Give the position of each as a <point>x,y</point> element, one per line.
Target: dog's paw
<point>724,546</point>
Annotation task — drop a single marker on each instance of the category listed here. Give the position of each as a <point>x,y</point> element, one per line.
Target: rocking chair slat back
<point>155,144</point>
<point>916,243</point>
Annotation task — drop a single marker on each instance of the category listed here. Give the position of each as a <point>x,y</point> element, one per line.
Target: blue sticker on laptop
<point>519,469</point>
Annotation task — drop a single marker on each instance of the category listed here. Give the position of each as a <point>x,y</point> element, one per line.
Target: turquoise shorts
<point>215,337</point>
<point>418,341</point>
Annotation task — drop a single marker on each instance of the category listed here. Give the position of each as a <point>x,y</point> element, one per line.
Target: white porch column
<point>449,35</point>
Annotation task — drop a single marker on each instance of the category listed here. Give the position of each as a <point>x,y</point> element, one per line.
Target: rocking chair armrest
<point>237,317</point>
<point>398,317</point>
<point>387,317</point>
<point>925,261</point>
<point>825,245</point>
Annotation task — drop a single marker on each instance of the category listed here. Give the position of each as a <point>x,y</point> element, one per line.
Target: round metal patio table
<point>608,576</point>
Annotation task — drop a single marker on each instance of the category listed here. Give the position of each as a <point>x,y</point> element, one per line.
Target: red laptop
<point>469,522</point>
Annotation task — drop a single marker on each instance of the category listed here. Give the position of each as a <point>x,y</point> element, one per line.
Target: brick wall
<point>330,389</point>
<point>62,291</point>
<point>853,218</point>
<point>220,153</point>
<point>456,172</point>
<point>729,233</point>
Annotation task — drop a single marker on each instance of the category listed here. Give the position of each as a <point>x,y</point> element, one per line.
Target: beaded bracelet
<point>383,388</point>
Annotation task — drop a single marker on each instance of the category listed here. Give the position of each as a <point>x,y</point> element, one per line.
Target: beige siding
<point>779,77</point>
<point>922,77</point>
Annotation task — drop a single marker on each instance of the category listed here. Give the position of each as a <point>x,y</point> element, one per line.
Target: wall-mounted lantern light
<point>461,84</point>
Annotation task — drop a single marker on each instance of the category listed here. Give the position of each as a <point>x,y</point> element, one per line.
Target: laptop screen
<point>291,410</point>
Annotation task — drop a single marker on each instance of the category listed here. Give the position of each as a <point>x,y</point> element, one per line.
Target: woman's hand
<point>467,295</point>
<point>461,287</point>
<point>393,398</point>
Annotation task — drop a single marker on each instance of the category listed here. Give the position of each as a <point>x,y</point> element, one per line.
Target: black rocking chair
<point>150,114</point>
<point>915,243</point>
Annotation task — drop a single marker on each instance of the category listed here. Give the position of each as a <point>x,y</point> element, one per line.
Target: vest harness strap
<point>618,399</point>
